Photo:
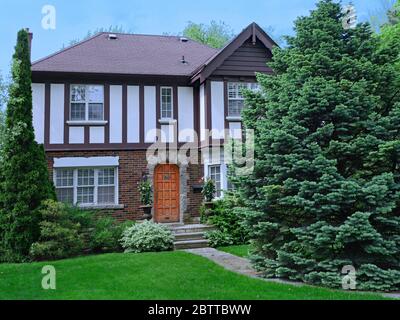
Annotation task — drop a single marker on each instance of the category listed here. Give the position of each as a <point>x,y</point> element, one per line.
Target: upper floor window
<point>166,103</point>
<point>87,103</point>
<point>235,96</point>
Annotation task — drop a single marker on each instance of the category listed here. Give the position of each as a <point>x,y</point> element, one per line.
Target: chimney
<point>30,37</point>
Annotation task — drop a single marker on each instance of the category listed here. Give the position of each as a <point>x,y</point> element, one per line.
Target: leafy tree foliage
<point>215,35</point>
<point>390,33</point>
<point>325,192</point>
<point>24,180</point>
<point>394,14</point>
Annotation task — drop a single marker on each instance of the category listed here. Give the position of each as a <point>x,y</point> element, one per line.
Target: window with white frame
<point>235,96</point>
<point>214,173</point>
<point>87,103</point>
<point>86,186</point>
<point>166,103</point>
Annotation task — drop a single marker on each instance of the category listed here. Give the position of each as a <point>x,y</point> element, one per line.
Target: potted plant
<point>146,198</point>
<point>209,191</point>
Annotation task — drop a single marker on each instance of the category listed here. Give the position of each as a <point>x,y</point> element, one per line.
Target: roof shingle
<point>129,54</point>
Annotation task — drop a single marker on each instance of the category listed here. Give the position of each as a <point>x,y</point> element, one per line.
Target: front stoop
<point>190,236</point>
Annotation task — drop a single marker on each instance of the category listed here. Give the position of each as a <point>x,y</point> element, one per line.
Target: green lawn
<point>170,275</point>
<point>240,251</point>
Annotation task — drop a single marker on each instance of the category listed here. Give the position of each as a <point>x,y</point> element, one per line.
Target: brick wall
<point>132,164</point>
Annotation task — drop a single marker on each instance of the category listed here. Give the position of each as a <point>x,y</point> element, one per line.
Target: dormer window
<point>87,103</point>
<point>166,103</point>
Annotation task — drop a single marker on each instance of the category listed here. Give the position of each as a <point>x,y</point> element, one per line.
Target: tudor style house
<point>100,104</point>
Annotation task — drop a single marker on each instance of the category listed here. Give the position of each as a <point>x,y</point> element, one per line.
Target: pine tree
<point>24,179</point>
<point>326,186</point>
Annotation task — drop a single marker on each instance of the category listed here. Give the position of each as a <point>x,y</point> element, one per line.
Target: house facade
<point>116,108</point>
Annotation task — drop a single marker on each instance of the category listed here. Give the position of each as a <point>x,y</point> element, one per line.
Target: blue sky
<point>74,18</point>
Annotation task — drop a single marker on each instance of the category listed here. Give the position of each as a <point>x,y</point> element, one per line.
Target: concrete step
<point>190,244</point>
<point>189,236</point>
<point>191,228</point>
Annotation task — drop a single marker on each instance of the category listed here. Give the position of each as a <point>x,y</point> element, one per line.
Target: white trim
<point>167,121</point>
<point>101,206</point>
<point>78,162</point>
<point>87,123</point>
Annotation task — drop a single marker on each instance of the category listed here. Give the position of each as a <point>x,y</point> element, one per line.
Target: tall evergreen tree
<point>24,179</point>
<point>326,186</point>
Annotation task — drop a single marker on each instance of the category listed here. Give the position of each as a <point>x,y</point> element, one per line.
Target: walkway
<point>243,266</point>
<point>234,263</point>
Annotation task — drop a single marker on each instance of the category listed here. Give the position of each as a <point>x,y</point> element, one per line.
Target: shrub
<point>106,233</point>
<point>147,237</point>
<point>59,236</point>
<point>217,238</point>
<point>226,215</point>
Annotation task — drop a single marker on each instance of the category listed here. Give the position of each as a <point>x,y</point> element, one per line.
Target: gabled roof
<point>253,32</point>
<point>133,54</point>
<point>128,54</point>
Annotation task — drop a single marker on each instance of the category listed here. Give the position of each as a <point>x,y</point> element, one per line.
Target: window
<point>235,97</point>
<point>87,103</point>
<point>64,181</point>
<point>86,186</point>
<point>106,186</point>
<point>214,173</point>
<point>166,103</point>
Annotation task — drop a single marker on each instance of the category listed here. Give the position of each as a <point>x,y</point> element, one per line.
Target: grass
<point>169,275</point>
<point>240,251</point>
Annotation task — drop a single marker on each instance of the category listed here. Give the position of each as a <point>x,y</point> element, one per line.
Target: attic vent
<point>184,39</point>
<point>112,36</point>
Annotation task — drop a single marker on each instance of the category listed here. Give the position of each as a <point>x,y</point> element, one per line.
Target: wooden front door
<point>167,195</point>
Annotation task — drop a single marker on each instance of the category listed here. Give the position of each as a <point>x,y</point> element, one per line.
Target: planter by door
<point>166,194</point>
<point>147,212</point>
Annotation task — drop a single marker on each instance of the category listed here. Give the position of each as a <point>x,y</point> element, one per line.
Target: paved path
<point>234,263</point>
<point>243,266</point>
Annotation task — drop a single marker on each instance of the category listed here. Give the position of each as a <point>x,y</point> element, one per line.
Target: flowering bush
<point>147,237</point>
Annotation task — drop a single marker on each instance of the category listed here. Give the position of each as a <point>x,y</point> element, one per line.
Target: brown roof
<point>129,54</point>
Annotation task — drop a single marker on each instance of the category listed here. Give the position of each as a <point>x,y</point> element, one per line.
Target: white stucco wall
<point>150,120</point>
<point>217,109</point>
<point>38,94</point>
<point>57,114</point>
<point>115,114</point>
<point>202,113</point>
<point>96,134</point>
<point>133,114</point>
<point>186,117</point>
<point>76,135</point>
